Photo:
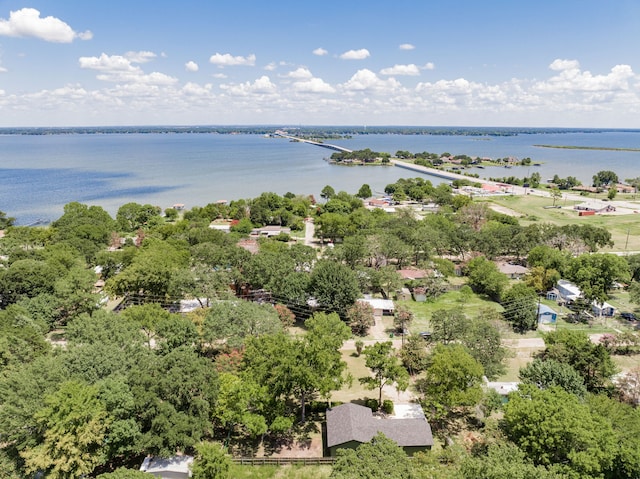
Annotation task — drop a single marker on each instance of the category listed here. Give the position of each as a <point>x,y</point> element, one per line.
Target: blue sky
<point>564,63</point>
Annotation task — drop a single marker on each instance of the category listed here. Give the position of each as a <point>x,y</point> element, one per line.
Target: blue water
<point>40,174</point>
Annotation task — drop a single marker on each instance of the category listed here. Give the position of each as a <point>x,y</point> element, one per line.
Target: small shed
<point>380,306</point>
<point>176,467</point>
<point>546,315</point>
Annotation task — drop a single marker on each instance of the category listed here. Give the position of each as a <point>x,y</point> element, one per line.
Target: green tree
<point>483,340</point>
<point>520,307</point>
<point>556,194</point>
<point>334,285</point>
<point>385,367</point>
<point>453,379</point>
<point>380,458</point>
<point>448,325</point>
<point>413,354</point>
<point>151,271</point>
<point>550,373</point>
<point>234,321</point>
<point>5,221</point>
<point>132,216</point>
<point>364,192</point>
<point>74,424</point>
<point>594,274</point>
<point>360,318</point>
<point>555,429</point>
<point>485,278</point>
<point>211,461</point>
<point>239,405</point>
<point>605,178</point>
<point>503,461</point>
<point>327,192</point>
<point>592,361</point>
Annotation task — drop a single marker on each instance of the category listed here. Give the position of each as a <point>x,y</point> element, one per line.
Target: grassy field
<point>280,472</point>
<point>532,210</point>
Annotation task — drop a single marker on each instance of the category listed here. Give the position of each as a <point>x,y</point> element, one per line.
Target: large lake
<point>39,174</point>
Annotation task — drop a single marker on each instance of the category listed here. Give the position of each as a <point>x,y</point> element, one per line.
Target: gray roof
<point>351,422</point>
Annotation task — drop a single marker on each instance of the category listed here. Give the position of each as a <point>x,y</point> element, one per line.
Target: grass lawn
<point>519,358</point>
<point>451,300</point>
<point>280,472</point>
<point>626,362</point>
<point>355,391</point>
<point>621,227</point>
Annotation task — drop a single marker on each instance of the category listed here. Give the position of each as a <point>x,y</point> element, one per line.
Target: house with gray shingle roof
<point>350,425</point>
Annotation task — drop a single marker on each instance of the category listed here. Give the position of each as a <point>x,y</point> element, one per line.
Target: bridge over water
<point>284,134</point>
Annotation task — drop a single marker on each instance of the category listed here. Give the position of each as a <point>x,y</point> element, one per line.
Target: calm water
<point>40,174</point>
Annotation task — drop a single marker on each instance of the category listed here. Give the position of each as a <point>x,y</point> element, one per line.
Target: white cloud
<point>261,85</point>
<point>225,60</point>
<point>219,75</point>
<point>3,70</point>
<point>271,67</point>
<point>117,68</point>
<point>428,66</point>
<point>320,52</point>
<point>300,73</point>
<point>408,70</point>
<point>313,85</point>
<point>356,54</point>
<point>560,65</point>
<point>407,46</point>
<point>140,57</point>
<point>366,80</point>
<point>571,79</point>
<point>191,66</point>
<point>27,22</point>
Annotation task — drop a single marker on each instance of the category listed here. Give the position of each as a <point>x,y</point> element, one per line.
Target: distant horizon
<point>316,126</point>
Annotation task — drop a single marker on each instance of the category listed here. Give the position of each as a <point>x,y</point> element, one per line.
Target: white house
<point>568,291</point>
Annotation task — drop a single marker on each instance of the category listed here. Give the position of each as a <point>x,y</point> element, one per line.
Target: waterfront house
<point>270,230</point>
<point>603,309</point>
<point>350,425</point>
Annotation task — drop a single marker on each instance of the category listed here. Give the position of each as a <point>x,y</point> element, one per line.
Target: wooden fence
<point>280,461</point>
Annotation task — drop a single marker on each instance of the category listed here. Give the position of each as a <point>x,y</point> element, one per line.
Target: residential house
<point>176,467</point>
<point>350,425</point>
<point>270,230</point>
<point>603,309</point>
<point>513,271</point>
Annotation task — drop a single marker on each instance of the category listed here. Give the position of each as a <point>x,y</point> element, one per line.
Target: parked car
<point>425,335</point>
<point>628,316</point>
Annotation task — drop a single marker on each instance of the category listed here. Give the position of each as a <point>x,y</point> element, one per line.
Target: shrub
<point>387,406</point>
<point>372,404</point>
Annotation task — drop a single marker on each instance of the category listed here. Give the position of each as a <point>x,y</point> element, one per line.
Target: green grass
<point>354,391</point>
<point>620,226</point>
<point>450,300</point>
<point>280,472</point>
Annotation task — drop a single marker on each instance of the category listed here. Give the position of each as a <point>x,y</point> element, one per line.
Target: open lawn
<point>517,359</point>
<point>626,362</point>
<point>280,472</point>
<point>450,300</point>
<point>621,227</point>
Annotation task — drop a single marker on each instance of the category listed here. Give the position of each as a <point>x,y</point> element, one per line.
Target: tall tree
<point>385,367</point>
<point>74,425</point>
<point>555,429</point>
<point>379,458</point>
<point>452,379</point>
<point>211,461</point>
<point>520,307</point>
<point>550,373</point>
<point>334,285</point>
<point>592,361</point>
